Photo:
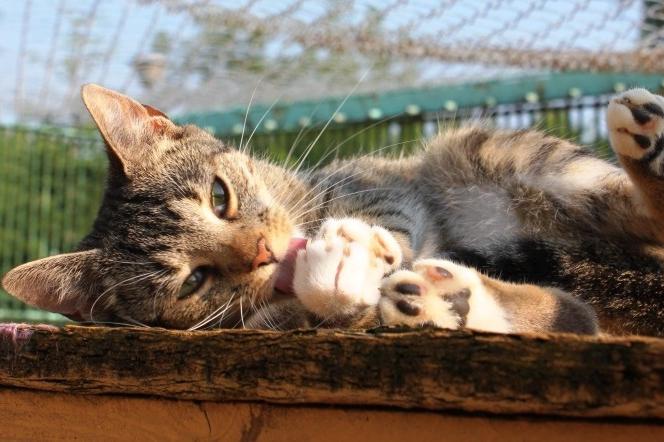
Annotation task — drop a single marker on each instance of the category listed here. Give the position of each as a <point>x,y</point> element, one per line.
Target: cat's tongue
<point>284,282</point>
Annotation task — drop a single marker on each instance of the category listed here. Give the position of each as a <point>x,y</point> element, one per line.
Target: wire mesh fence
<point>202,54</point>
<point>51,183</point>
<point>192,57</point>
<point>50,187</point>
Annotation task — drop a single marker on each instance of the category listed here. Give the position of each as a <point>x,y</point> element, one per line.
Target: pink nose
<point>264,255</point>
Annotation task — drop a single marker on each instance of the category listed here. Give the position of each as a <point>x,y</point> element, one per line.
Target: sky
<point>40,43</point>
<point>119,30</point>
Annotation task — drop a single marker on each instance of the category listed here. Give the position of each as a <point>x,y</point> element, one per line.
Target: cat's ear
<point>58,284</point>
<point>129,128</point>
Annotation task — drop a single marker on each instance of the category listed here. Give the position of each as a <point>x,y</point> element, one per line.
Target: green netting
<point>50,186</point>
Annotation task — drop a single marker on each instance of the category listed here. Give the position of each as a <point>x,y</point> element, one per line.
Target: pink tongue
<point>284,282</point>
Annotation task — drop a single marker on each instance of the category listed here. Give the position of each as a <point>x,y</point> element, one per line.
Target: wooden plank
<point>29,415</point>
<point>563,375</point>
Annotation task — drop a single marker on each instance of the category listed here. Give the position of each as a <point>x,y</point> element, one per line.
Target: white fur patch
<point>618,118</point>
<point>375,239</point>
<point>485,313</point>
<point>341,270</point>
<point>583,174</point>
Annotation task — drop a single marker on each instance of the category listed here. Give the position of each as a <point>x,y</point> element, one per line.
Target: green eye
<point>193,282</point>
<point>219,198</point>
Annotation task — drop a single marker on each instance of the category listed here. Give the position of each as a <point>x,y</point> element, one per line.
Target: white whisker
<point>112,323</point>
<point>246,114</point>
<point>133,280</point>
<point>303,130</point>
<point>214,315</point>
<point>329,121</point>
<point>265,114</point>
<point>339,197</point>
<point>297,206</point>
<point>356,134</point>
<point>133,321</point>
<point>241,314</point>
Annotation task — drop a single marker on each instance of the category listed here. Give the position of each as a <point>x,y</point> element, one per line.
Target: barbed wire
<point>18,93</point>
<point>79,60</point>
<point>143,41</point>
<point>112,46</point>
<point>487,38</point>
<point>50,59</point>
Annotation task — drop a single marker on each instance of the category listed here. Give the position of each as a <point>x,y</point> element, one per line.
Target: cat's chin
<point>284,280</point>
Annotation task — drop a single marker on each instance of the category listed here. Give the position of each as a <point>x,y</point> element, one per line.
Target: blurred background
<point>342,76</point>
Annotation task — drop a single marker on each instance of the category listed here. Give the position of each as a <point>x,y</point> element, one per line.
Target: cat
<point>493,230</point>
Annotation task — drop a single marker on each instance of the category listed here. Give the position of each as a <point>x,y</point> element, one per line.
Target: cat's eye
<point>223,202</point>
<point>194,282</point>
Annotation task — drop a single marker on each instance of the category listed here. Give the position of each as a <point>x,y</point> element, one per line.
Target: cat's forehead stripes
<point>235,167</point>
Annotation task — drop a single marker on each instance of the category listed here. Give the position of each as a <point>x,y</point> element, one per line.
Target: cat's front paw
<point>635,120</point>
<point>380,243</point>
<point>342,268</point>
<point>440,293</point>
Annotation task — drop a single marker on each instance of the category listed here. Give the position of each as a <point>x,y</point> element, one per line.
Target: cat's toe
<point>349,229</point>
<point>384,248</point>
<point>441,293</point>
<point>635,120</point>
<point>408,298</point>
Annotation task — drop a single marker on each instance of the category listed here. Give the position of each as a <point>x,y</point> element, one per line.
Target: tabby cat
<point>503,231</point>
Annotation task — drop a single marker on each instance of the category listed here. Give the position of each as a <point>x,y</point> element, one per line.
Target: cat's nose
<point>264,255</point>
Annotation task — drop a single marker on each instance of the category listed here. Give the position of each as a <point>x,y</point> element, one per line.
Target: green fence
<point>51,181</point>
<point>50,187</point>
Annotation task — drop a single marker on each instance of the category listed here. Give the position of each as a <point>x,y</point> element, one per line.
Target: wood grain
<point>36,416</point>
<point>562,375</point>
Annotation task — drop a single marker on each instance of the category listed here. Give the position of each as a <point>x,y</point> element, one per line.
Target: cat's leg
<point>445,294</point>
<point>338,275</point>
<point>554,186</point>
<point>635,120</point>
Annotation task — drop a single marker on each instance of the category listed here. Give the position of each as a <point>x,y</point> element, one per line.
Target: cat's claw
<point>440,293</point>
<point>635,120</point>
<point>341,269</point>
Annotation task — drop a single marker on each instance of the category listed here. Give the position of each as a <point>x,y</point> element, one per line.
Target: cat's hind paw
<point>440,293</point>
<point>635,121</point>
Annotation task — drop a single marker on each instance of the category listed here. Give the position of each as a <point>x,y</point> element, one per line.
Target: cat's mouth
<point>286,271</point>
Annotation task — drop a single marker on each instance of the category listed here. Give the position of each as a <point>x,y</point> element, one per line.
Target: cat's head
<point>187,228</point>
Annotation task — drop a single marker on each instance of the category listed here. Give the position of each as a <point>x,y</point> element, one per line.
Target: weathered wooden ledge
<point>556,375</point>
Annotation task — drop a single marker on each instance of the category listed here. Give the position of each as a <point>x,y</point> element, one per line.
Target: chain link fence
<point>193,55</point>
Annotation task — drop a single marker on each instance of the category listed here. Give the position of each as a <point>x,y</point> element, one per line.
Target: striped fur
<point>528,231</point>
